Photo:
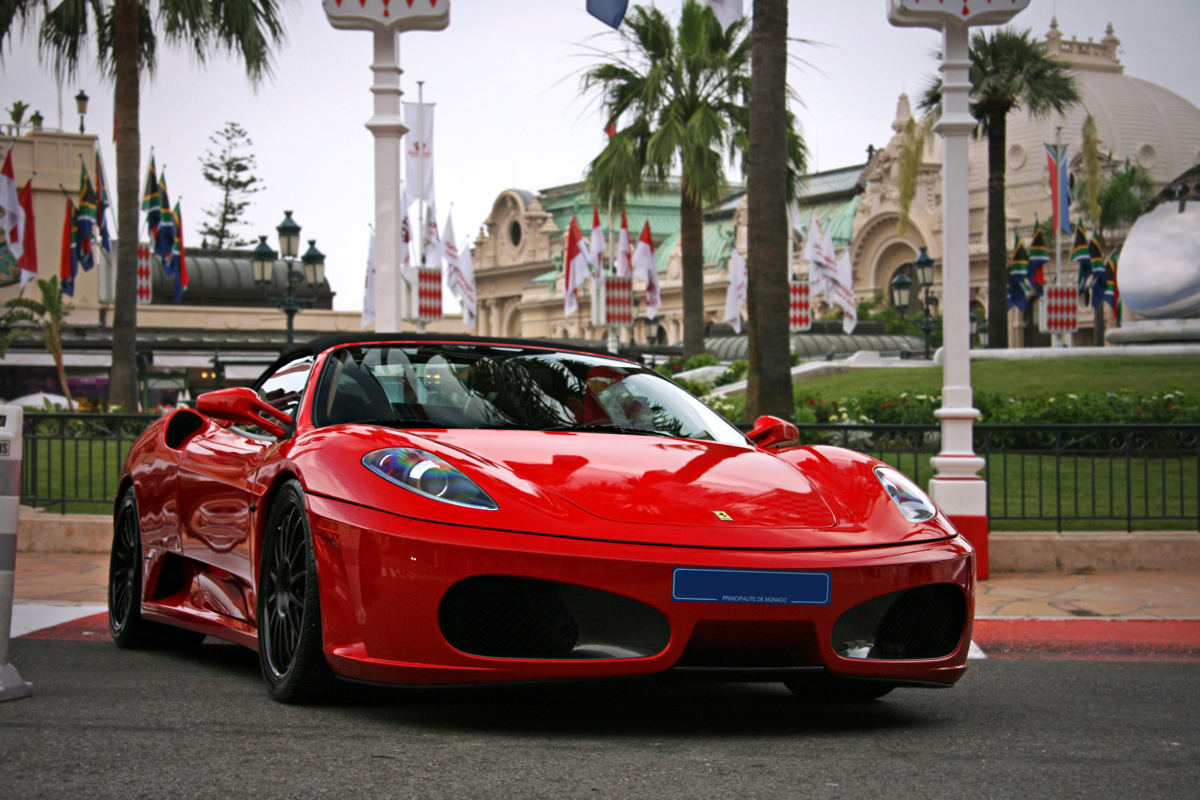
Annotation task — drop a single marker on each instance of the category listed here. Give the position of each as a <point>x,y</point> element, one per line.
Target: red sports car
<point>421,509</point>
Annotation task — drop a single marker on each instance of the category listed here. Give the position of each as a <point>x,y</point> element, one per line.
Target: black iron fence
<point>1064,476</point>
<point>1070,475</point>
<point>70,463</point>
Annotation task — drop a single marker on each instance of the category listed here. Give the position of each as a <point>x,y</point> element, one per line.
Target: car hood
<point>653,480</point>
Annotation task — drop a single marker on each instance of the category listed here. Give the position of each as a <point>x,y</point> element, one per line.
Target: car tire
<point>125,623</point>
<point>290,650</point>
<point>831,690</point>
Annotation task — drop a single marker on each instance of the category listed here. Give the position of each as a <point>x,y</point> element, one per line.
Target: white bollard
<point>11,438</point>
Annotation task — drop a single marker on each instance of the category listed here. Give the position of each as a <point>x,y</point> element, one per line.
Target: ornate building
<point>518,256</point>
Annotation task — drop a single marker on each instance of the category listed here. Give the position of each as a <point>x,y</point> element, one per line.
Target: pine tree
<point>232,173</point>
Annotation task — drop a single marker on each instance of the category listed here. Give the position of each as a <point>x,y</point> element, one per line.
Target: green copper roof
<point>837,217</point>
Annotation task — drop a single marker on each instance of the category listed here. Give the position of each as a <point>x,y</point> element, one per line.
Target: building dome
<point>1137,120</point>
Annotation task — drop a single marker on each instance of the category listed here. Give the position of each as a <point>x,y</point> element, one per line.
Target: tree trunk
<point>769,379</point>
<point>691,222</point>
<point>996,239</point>
<point>1098,321</point>
<point>123,379</point>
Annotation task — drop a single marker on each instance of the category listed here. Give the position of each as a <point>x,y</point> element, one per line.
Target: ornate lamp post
<point>81,101</point>
<point>313,270</point>
<point>924,267</point>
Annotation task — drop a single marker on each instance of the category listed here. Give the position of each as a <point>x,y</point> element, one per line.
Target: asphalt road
<point>158,724</point>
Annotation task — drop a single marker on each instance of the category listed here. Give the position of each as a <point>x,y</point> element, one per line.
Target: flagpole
<point>614,344</point>
<point>1056,339</point>
<point>423,145</point>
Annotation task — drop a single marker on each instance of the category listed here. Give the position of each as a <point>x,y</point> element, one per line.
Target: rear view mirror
<point>771,432</point>
<point>243,405</point>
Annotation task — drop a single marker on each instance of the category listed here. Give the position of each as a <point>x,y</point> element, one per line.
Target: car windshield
<point>515,388</point>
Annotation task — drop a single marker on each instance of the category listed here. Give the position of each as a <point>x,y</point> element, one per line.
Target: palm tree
<point>770,185</point>
<point>126,38</point>
<point>42,320</point>
<point>1008,69</point>
<point>682,97</point>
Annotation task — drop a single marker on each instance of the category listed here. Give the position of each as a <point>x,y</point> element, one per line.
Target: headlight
<point>428,476</point>
<point>913,503</point>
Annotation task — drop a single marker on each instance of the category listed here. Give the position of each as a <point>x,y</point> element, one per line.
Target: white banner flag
<point>418,152</point>
<point>431,244</point>
<point>368,312</point>
<point>735,295</point>
<point>727,11</point>
<point>842,292</point>
<point>466,284</point>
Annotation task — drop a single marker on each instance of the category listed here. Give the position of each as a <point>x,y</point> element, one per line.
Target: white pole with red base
<point>956,486</point>
<point>11,430</point>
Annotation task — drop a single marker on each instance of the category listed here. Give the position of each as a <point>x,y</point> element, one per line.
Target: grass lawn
<point>1034,376</point>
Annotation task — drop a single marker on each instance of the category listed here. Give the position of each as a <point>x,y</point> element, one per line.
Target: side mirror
<point>771,432</point>
<point>243,405</point>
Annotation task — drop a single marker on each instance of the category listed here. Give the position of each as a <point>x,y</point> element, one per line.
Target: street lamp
<point>313,270</point>
<point>901,292</point>
<point>81,101</point>
<point>924,267</point>
<point>983,333</point>
<point>902,287</point>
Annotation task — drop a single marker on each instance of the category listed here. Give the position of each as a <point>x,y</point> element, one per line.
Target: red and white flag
<point>407,269</point>
<point>842,292</point>
<point>28,260</point>
<point>735,295</point>
<point>12,216</point>
<point>624,265</point>
<point>645,268</point>
<point>431,244</point>
<point>596,255</point>
<point>575,268</point>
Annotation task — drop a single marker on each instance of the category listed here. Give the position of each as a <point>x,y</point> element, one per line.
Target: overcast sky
<point>505,78</point>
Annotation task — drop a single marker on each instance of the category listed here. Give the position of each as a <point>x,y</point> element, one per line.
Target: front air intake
<point>914,624</point>
<point>502,616</point>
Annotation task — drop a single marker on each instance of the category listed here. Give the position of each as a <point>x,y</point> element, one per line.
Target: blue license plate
<point>751,586</point>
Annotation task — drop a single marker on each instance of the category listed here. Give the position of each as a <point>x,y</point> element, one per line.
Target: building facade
<point>520,282</point>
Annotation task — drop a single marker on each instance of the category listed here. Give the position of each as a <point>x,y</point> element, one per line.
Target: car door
<point>216,488</point>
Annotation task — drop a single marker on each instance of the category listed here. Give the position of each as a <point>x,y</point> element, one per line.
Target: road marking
<point>29,618</point>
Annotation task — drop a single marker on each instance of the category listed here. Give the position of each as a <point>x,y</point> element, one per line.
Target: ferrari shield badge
<point>723,515</point>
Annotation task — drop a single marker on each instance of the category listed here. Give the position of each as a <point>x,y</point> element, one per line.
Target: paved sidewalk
<point>76,578</point>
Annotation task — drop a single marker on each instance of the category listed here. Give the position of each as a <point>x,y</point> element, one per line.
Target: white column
<point>391,290</point>
<point>956,487</point>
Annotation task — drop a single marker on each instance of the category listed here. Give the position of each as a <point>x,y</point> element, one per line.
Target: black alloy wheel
<point>289,608</point>
<point>125,623</point>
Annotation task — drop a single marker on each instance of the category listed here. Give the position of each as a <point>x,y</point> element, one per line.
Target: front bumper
<point>384,579</point>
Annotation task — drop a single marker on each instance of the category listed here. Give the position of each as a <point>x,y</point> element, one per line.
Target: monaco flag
<point>575,268</point>
<point>596,256</point>
<point>645,268</point>
<point>624,266</point>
